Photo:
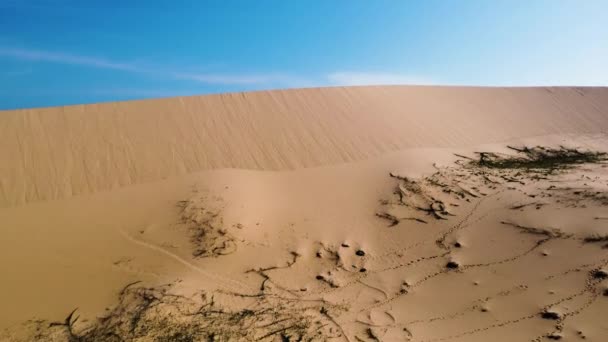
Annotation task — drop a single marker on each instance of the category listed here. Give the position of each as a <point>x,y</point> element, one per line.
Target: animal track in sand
<point>221,280</point>
<point>475,306</point>
<point>126,265</point>
<point>497,180</point>
<point>453,201</point>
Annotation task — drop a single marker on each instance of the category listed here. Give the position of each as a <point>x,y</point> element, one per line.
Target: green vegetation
<point>539,158</point>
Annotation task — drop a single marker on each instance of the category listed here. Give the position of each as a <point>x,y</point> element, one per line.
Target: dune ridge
<point>55,153</point>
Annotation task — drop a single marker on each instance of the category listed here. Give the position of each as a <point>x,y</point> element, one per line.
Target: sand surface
<point>343,214</point>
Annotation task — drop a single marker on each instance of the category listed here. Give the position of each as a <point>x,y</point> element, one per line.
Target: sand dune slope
<point>344,214</point>
<point>58,152</point>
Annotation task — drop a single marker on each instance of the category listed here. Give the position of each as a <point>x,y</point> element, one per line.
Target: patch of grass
<point>596,238</point>
<point>155,314</point>
<point>539,158</point>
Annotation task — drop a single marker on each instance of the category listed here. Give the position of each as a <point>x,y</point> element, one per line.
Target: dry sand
<point>345,214</point>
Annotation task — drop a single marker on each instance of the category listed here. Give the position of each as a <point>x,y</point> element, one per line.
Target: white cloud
<point>350,78</point>
<point>101,63</point>
<point>343,78</point>
<point>141,92</point>
<point>241,79</point>
<point>64,58</point>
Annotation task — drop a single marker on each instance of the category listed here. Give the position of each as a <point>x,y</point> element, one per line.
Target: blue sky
<point>70,52</point>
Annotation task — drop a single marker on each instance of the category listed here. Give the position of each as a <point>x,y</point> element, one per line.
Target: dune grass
<point>539,158</point>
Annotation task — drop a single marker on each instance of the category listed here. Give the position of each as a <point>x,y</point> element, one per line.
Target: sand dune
<point>55,153</point>
<point>340,214</point>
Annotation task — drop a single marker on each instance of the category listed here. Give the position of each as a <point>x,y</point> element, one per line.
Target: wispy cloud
<point>102,63</point>
<point>65,58</point>
<point>14,73</point>
<point>350,78</point>
<point>141,92</point>
<point>271,79</point>
<point>243,79</point>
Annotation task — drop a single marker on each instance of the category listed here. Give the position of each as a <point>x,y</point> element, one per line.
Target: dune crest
<point>54,153</point>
